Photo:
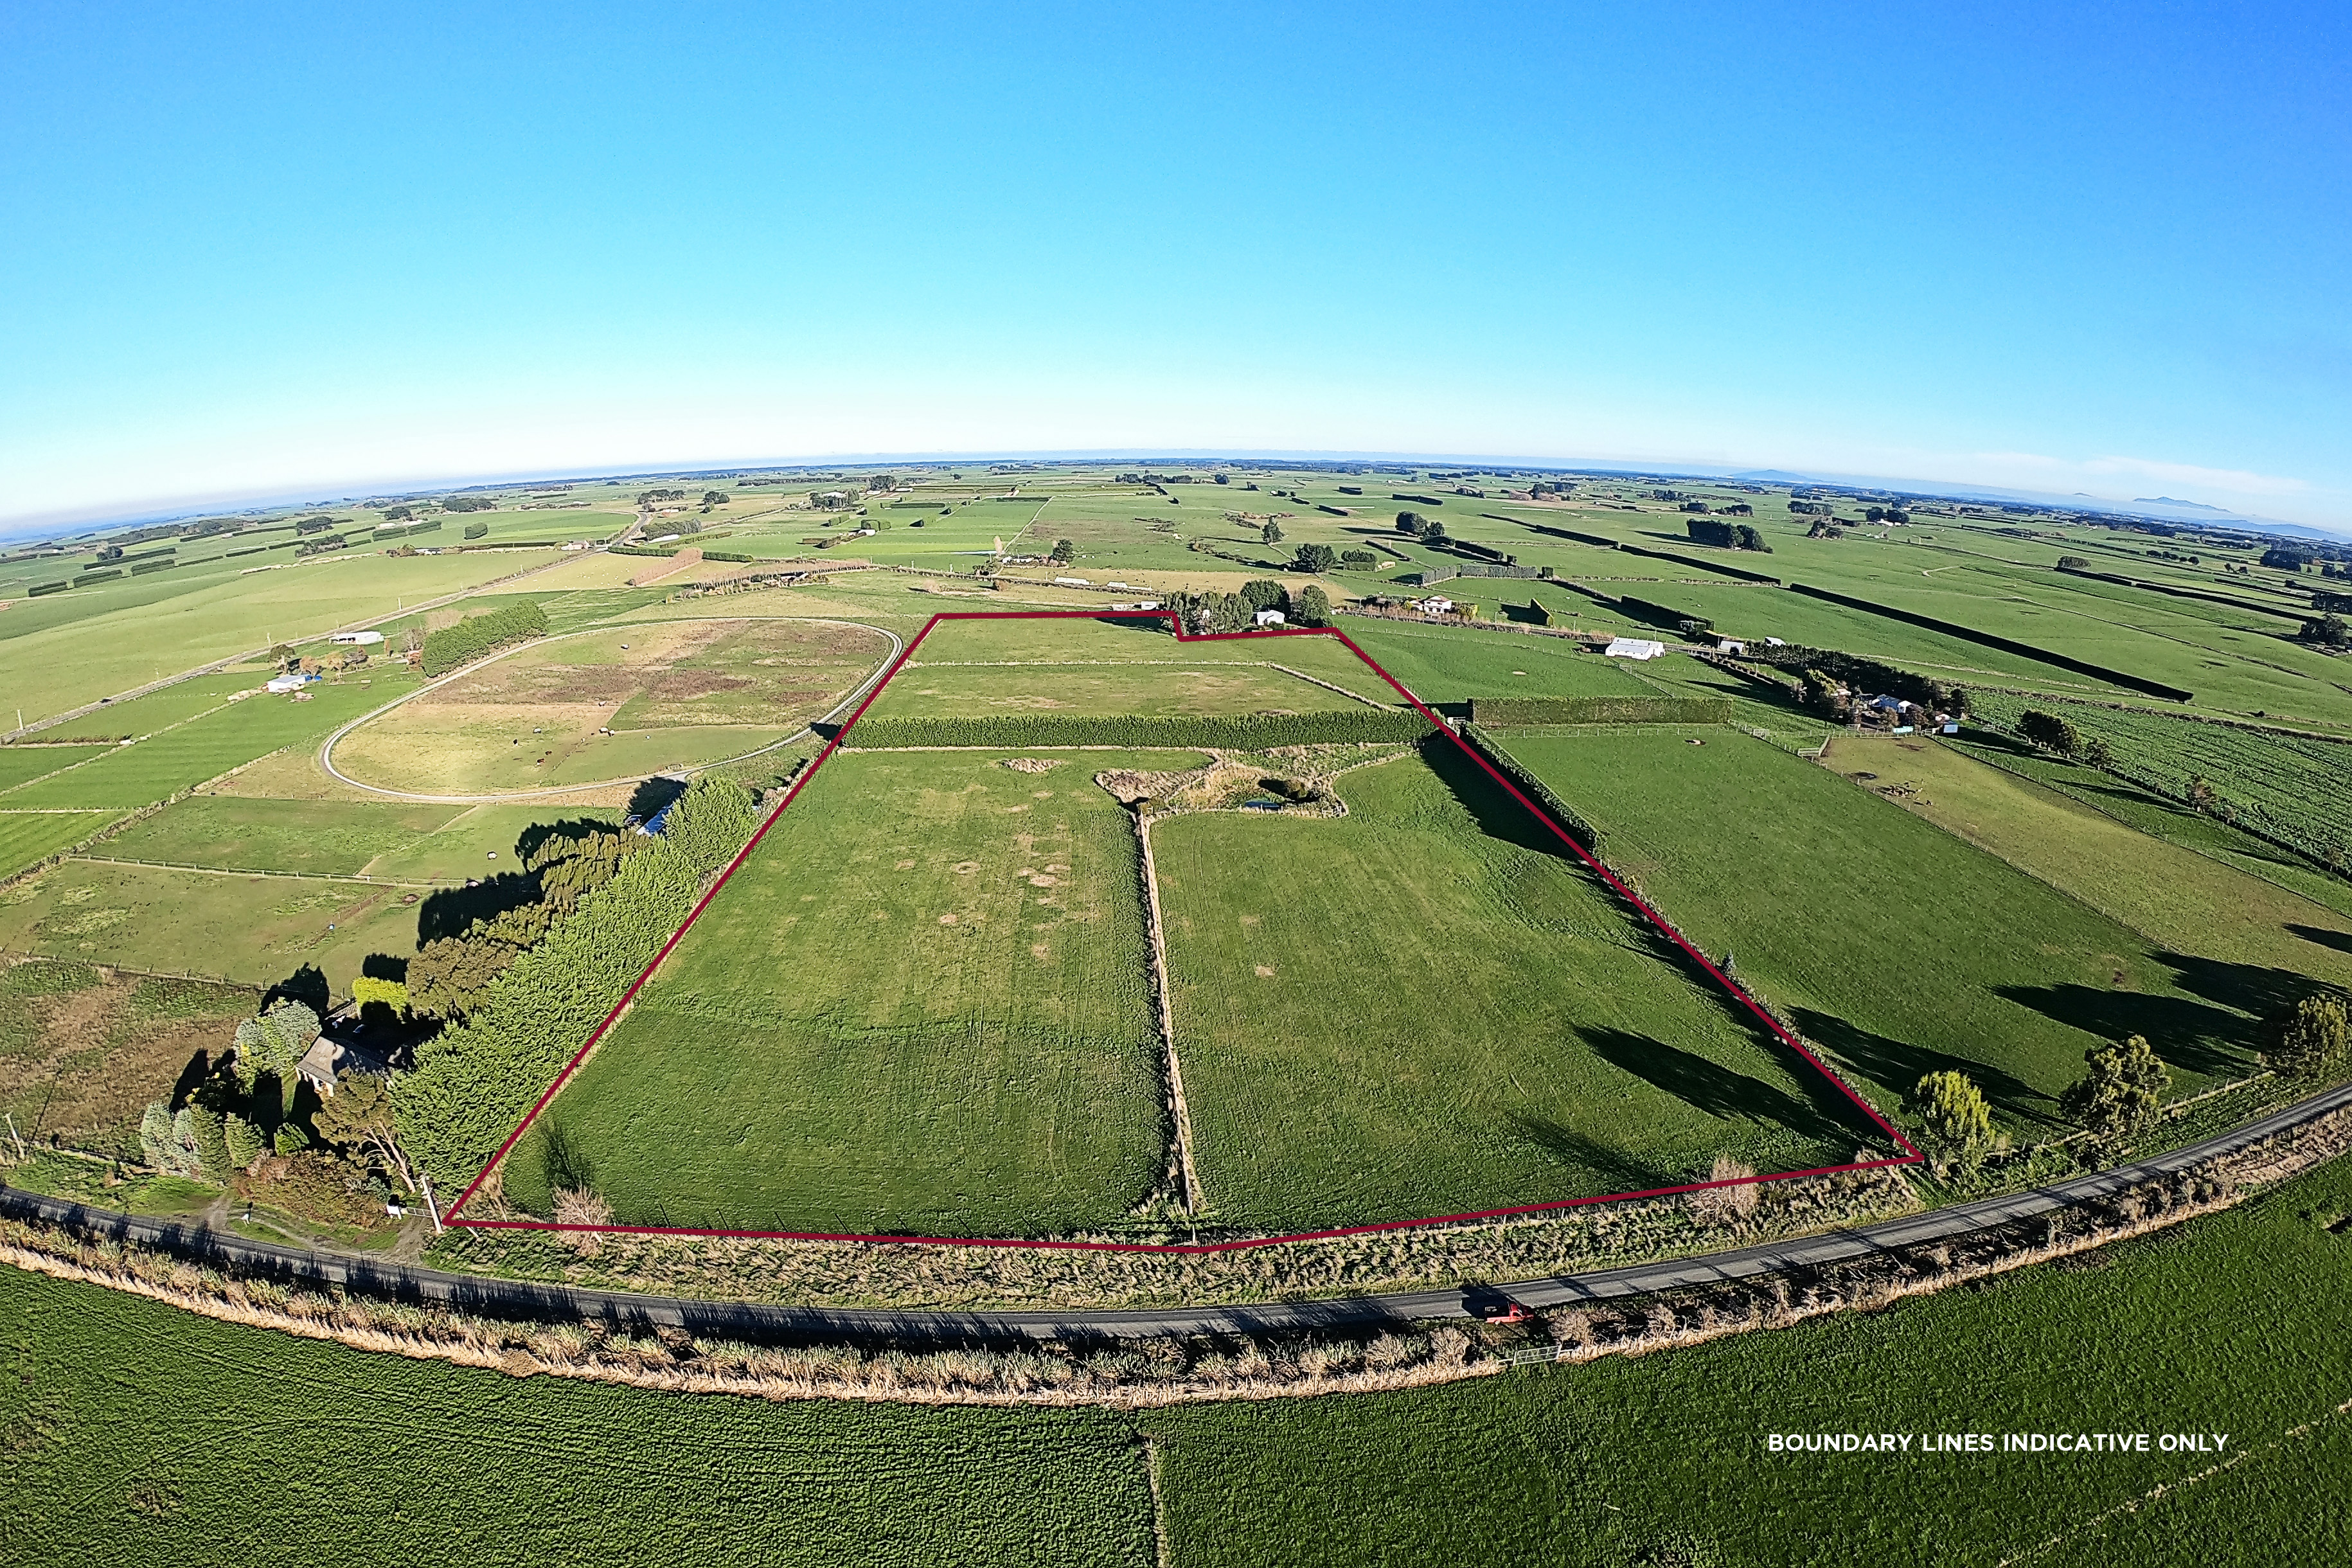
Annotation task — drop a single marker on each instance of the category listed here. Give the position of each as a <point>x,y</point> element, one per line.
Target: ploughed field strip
<point>922,1005</point>
<point>1897,945</point>
<point>1428,1007</point>
<point>613,702</point>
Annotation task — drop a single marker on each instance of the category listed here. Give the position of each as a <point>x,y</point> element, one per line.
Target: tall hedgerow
<point>470,638</point>
<point>473,1083</point>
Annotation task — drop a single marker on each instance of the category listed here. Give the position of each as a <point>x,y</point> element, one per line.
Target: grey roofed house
<point>329,1058</point>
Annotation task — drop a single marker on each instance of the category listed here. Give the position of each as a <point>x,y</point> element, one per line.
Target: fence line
<point>250,871</point>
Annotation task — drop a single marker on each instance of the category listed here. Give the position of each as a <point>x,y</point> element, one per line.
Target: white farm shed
<point>357,639</point>
<point>1634,648</point>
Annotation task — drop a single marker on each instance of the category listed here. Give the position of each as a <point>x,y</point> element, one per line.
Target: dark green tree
<point>2310,1039</point>
<point>1064,552</point>
<point>2117,1098</point>
<point>1271,533</point>
<point>1953,1116</point>
<point>2051,732</point>
<point>1264,594</point>
<point>1315,559</point>
<point>1310,606</point>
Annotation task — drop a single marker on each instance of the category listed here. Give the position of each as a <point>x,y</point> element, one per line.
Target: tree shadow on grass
<point>307,985</point>
<point>452,911</point>
<point>1898,1066</point>
<point>1498,815</point>
<point>1618,1170</point>
<point>2340,941</point>
<point>564,1162</point>
<point>2192,1035</point>
<point>1715,1090</point>
<point>199,1068</point>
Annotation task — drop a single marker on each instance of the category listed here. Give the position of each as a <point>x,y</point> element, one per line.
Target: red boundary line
<point>1910,1155</point>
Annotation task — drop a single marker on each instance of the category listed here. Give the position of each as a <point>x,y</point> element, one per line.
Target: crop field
<point>2226,1324</point>
<point>322,837</point>
<point>255,931</point>
<point>1658,1459</point>
<point>2160,817</point>
<point>1899,947</point>
<point>920,1006</point>
<point>208,746</point>
<point>26,837</point>
<point>673,694</point>
<point>1426,1008</point>
<point>396,1460</point>
<point>2297,786</point>
<point>2182,900</point>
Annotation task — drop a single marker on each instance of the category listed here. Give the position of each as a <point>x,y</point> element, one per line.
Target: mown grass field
<point>925,692</point>
<point>209,744</point>
<point>255,931</point>
<point>920,1006</point>
<point>1424,1007</point>
<point>174,704</point>
<point>2227,1324</point>
<point>20,764</point>
<point>322,837</point>
<point>2183,900</point>
<point>675,694</point>
<point>1439,664</point>
<point>26,837</point>
<point>1899,947</point>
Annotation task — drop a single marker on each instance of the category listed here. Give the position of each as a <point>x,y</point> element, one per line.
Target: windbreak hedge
<point>1601,710</point>
<point>473,1084</point>
<point>1253,732</point>
<point>470,638</point>
<point>1534,788</point>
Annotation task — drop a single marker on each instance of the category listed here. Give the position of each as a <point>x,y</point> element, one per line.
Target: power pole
<point>431,1207</point>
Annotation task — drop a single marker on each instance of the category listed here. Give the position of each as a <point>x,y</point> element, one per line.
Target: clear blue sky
<point>252,248</point>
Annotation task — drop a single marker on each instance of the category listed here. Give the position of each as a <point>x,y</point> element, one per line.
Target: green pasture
<point>1896,945</point>
<point>2181,900</point>
<point>23,764</point>
<point>920,1006</point>
<point>2169,820</point>
<point>26,837</point>
<point>58,653</point>
<point>174,704</point>
<point>674,694</point>
<point>210,745</point>
<point>234,833</point>
<point>254,931</point>
<point>1441,664</point>
<point>2300,784</point>
<point>924,691</point>
<point>1426,1008</point>
<point>477,841</point>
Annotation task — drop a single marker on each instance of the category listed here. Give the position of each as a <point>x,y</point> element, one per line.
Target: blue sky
<point>250,249</point>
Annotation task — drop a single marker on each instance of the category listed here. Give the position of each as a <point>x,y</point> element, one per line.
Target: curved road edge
<point>494,1296</point>
<point>327,747</point>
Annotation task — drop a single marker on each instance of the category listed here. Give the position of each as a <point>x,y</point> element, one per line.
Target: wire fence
<point>255,871</point>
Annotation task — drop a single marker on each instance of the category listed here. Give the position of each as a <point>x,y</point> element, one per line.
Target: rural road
<point>327,748</point>
<point>760,1322</point>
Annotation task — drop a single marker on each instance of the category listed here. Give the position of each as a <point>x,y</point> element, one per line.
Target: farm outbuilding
<point>356,639</point>
<point>1635,647</point>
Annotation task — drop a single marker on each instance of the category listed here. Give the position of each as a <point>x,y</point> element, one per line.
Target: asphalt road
<point>756,1322</point>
